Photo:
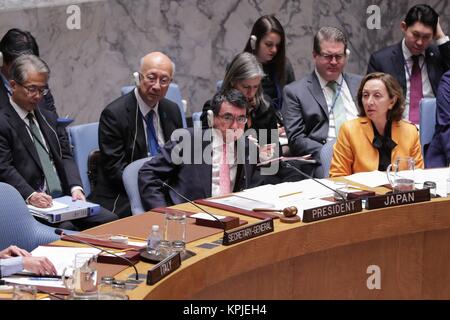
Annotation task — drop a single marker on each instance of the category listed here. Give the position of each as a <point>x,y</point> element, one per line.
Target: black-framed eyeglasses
<point>152,79</point>
<point>33,90</point>
<point>330,57</point>
<point>229,118</point>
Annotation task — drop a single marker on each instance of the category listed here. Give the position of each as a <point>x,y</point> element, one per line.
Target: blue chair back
<point>173,94</point>
<point>427,121</point>
<point>130,181</point>
<point>326,154</point>
<point>84,139</point>
<point>197,123</point>
<point>17,225</point>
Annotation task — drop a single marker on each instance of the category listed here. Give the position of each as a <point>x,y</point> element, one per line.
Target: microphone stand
<point>60,232</point>
<point>194,204</point>
<point>342,196</point>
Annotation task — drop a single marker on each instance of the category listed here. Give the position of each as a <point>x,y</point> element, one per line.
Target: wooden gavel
<point>287,212</point>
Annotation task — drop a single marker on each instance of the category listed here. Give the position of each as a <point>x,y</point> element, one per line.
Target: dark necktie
<point>415,90</point>
<point>152,139</point>
<point>51,177</point>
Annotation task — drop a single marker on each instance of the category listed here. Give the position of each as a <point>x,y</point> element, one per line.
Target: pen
<point>289,194</point>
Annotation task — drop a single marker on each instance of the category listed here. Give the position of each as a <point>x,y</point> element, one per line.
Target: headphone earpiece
<point>253,39</point>
<point>347,52</point>
<point>1,59</point>
<point>210,118</point>
<point>137,81</point>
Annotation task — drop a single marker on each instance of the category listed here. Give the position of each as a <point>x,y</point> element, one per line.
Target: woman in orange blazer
<point>379,135</point>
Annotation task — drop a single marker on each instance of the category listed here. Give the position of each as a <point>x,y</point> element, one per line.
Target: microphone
<point>194,204</point>
<point>60,232</point>
<point>341,195</point>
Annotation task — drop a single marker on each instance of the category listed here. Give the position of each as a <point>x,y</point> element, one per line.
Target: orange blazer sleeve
<point>343,154</point>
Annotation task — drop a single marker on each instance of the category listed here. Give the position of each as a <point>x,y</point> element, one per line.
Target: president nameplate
<point>332,210</point>
<point>164,268</point>
<point>398,199</point>
<point>248,232</point>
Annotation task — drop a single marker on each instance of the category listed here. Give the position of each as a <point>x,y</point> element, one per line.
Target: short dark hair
<point>329,34</point>
<point>17,42</point>
<point>233,96</point>
<point>262,26</point>
<point>422,13</point>
<point>394,90</point>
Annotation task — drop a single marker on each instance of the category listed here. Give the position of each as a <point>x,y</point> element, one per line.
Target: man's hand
<point>40,200</point>
<point>39,265</point>
<point>439,32</point>
<point>14,251</point>
<point>78,195</point>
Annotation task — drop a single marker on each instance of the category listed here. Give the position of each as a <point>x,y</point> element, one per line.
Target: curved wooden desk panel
<point>325,260</point>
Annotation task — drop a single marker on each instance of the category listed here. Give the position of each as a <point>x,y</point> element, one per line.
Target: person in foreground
<point>378,136</point>
<point>14,259</point>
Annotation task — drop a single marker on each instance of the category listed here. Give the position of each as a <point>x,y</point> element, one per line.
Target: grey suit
<point>305,113</point>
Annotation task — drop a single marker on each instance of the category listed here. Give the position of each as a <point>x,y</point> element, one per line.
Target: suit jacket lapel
<point>366,126</point>
<point>398,63</point>
<point>204,170</point>
<point>316,92</point>
<point>135,123</point>
<point>163,119</point>
<point>18,126</point>
<point>431,68</point>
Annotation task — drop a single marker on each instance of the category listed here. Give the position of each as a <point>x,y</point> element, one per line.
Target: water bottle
<point>153,240</point>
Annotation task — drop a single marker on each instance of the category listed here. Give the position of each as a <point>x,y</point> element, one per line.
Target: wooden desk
<point>322,260</point>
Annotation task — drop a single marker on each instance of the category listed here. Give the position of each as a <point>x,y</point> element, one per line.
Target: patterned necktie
<point>224,174</point>
<point>415,90</point>
<point>152,139</point>
<point>338,107</point>
<point>51,177</point>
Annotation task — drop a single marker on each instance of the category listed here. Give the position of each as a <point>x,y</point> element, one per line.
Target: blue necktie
<point>152,139</point>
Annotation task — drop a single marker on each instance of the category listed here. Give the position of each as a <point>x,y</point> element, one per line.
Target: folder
<point>64,209</point>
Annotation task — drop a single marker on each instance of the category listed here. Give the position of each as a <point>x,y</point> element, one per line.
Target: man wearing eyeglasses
<point>315,107</point>
<point>35,155</point>
<point>14,43</point>
<point>211,163</point>
<point>416,62</point>
<point>133,127</point>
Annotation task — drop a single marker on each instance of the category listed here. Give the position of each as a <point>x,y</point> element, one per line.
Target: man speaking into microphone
<point>221,170</point>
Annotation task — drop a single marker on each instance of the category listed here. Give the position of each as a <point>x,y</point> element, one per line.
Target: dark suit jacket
<point>390,60</point>
<point>120,131</point>
<point>305,113</point>
<point>194,181</point>
<point>438,153</point>
<point>19,160</point>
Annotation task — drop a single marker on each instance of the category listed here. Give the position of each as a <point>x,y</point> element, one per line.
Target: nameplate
<point>332,210</point>
<point>251,231</point>
<point>164,268</point>
<point>398,199</point>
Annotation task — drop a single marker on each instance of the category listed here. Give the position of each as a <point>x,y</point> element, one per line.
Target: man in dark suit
<point>315,106</point>
<point>14,43</point>
<point>438,153</point>
<point>203,163</point>
<point>416,62</point>
<point>126,134</point>
<point>35,155</point>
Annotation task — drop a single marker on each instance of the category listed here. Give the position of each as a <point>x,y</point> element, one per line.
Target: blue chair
<point>130,181</point>
<point>326,154</point>
<point>84,140</point>
<point>173,94</point>
<point>427,121</point>
<point>17,225</point>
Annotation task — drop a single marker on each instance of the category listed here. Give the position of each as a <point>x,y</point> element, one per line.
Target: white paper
<point>33,282</point>
<point>242,203</point>
<point>371,179</point>
<point>137,243</point>
<point>56,206</point>
<point>61,257</point>
<point>202,215</point>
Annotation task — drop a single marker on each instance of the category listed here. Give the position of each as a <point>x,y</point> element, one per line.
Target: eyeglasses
<point>33,90</point>
<point>229,118</point>
<point>152,79</point>
<point>330,57</point>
